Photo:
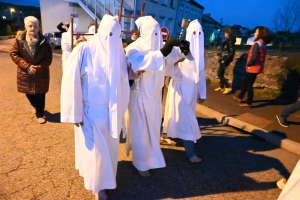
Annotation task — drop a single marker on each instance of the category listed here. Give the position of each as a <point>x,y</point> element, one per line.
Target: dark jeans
<point>189,148</point>
<point>291,109</point>
<point>221,72</point>
<point>247,86</point>
<point>38,102</point>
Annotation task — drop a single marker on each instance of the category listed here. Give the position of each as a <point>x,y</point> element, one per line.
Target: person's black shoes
<point>282,121</point>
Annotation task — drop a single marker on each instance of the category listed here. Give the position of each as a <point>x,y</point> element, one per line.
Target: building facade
<point>55,11</point>
<point>168,13</point>
<point>212,30</point>
<point>163,11</point>
<point>85,12</point>
<point>188,9</point>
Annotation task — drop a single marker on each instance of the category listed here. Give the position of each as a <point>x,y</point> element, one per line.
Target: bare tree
<point>288,16</point>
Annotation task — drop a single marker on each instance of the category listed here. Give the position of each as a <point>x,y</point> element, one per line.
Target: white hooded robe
<point>291,190</point>
<point>95,91</point>
<point>145,108</point>
<point>188,78</point>
<point>66,45</point>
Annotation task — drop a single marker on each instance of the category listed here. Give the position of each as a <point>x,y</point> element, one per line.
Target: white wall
<point>55,11</point>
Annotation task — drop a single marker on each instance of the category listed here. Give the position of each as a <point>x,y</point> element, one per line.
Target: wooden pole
<point>143,8</point>
<point>120,12</point>
<point>96,25</point>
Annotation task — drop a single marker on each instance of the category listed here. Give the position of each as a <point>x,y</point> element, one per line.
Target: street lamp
<point>11,11</point>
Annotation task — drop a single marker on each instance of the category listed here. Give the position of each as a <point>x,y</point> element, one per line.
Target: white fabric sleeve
<point>202,84</point>
<point>71,88</point>
<point>65,44</point>
<point>171,59</point>
<point>147,61</point>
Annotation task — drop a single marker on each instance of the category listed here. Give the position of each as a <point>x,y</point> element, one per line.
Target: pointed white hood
<point>195,36</point>
<point>150,34</point>
<point>109,48</point>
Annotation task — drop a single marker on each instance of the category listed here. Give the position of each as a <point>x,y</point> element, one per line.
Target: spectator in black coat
<point>225,58</point>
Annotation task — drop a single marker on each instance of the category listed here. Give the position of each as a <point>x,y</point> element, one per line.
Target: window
<point>187,14</point>
<point>161,21</point>
<point>171,3</point>
<point>169,25</point>
<point>180,15</point>
<point>57,34</point>
<point>153,15</point>
<point>164,2</point>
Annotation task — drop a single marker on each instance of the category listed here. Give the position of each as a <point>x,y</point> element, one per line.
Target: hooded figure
<point>147,57</point>
<point>94,96</point>
<point>291,188</point>
<point>179,118</point>
<point>91,31</point>
<point>66,45</point>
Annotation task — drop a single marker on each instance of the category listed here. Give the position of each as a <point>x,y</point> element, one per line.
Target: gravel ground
<point>37,161</point>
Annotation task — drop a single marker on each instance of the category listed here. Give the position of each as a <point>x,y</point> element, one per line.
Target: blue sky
<point>248,13</point>
<point>23,2</point>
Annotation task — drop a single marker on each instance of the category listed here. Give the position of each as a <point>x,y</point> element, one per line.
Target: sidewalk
<point>259,120</point>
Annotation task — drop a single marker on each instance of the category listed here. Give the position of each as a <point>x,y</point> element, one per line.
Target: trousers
<point>291,109</point>
<point>247,86</point>
<point>38,102</point>
<point>189,148</point>
<point>221,72</point>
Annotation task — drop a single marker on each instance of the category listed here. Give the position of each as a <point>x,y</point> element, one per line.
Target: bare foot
<point>144,173</point>
<point>101,195</point>
<point>169,141</point>
<point>195,159</point>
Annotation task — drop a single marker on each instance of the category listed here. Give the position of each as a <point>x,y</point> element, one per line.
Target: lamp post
<point>11,11</point>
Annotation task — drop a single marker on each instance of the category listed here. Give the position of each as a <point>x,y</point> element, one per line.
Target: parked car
<point>54,39</point>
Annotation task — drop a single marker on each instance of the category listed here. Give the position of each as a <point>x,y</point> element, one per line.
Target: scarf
<point>31,42</point>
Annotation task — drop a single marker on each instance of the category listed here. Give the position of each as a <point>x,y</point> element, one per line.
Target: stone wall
<point>236,70</point>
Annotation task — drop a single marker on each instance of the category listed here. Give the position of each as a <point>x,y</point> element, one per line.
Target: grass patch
<point>266,93</point>
<point>208,81</point>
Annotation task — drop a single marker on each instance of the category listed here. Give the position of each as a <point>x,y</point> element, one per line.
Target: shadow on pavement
<point>229,164</point>
<point>279,133</point>
<point>54,118</point>
<point>293,123</point>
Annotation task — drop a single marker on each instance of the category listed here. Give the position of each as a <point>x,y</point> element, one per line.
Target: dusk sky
<point>246,13</point>
<point>23,2</point>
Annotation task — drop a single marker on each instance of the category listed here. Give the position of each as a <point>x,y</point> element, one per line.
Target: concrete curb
<point>269,137</point>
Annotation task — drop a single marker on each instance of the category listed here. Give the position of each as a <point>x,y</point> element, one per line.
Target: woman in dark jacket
<point>226,57</point>
<point>255,64</point>
<point>33,56</point>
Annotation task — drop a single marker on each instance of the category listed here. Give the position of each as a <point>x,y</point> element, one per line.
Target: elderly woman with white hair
<point>32,54</point>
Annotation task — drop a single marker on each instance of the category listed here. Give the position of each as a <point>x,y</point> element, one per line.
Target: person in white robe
<point>188,80</point>
<point>91,30</point>
<point>66,45</point>
<point>146,56</point>
<point>291,190</point>
<point>94,96</point>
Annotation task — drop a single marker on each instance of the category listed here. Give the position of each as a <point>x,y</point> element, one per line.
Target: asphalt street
<point>37,161</point>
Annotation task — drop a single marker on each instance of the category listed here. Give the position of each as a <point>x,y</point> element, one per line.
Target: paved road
<point>262,114</point>
<point>37,161</point>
